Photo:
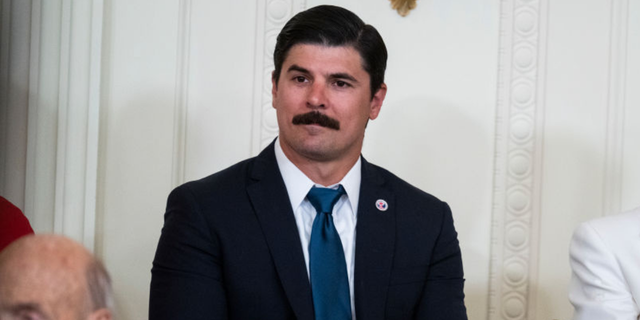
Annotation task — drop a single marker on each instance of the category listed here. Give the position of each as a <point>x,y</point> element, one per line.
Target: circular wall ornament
<point>519,164</point>
<point>515,272</point>
<point>278,10</point>
<point>526,21</point>
<point>517,237</point>
<point>522,94</point>
<point>521,129</point>
<point>524,57</point>
<point>513,308</point>
<point>270,119</point>
<point>518,201</point>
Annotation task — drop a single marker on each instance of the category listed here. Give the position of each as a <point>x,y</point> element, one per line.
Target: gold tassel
<point>403,6</point>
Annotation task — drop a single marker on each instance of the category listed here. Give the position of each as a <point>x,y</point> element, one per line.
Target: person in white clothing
<point>605,264</point>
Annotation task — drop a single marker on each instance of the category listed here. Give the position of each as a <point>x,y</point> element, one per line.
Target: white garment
<point>605,263</point>
<point>344,211</point>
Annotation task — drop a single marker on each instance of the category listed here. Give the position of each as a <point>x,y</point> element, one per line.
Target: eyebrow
<point>338,75</point>
<point>345,76</point>
<point>295,67</point>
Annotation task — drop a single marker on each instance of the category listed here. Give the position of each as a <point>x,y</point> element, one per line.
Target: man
<point>275,236</point>
<point>605,260</point>
<point>51,277</point>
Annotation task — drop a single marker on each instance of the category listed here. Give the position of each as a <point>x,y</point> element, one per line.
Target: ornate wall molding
<point>271,16</point>
<point>612,197</point>
<point>181,105</point>
<point>14,84</point>
<point>517,174</point>
<point>64,84</point>
<point>93,122</point>
<point>5,45</point>
<point>42,132</point>
<point>64,112</point>
<point>31,197</point>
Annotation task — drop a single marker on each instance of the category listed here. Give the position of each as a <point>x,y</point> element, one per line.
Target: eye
<point>300,79</point>
<point>29,315</point>
<point>342,84</point>
<point>24,315</point>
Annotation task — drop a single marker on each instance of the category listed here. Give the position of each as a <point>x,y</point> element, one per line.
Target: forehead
<point>340,58</point>
<point>26,298</point>
<point>52,280</point>
<point>52,295</point>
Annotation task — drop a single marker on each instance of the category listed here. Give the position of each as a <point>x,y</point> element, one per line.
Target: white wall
<point>520,114</point>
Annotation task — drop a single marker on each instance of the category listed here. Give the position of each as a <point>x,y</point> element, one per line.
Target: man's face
<point>43,282</point>
<point>36,296</point>
<point>326,82</point>
<point>24,303</point>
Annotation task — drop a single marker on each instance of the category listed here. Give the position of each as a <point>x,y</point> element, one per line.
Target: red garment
<point>13,224</point>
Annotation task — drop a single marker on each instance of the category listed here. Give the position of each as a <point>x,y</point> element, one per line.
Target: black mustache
<point>315,117</point>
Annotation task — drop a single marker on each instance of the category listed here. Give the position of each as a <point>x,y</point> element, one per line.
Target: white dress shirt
<point>344,212</point>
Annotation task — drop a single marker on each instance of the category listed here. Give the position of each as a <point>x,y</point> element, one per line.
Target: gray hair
<point>99,285</point>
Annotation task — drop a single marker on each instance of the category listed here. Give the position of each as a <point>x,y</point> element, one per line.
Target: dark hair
<point>334,26</point>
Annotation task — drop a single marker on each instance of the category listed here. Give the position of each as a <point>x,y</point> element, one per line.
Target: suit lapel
<point>375,241</point>
<point>272,206</point>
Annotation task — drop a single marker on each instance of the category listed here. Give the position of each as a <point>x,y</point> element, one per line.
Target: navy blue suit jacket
<point>230,249</point>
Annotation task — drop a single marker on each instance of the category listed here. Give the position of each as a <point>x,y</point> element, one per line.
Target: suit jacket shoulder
<point>224,181</point>
<point>617,227</point>
<point>604,256</point>
<point>408,259</point>
<point>227,237</point>
<point>404,191</point>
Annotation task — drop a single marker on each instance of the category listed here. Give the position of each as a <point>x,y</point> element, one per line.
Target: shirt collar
<point>298,184</point>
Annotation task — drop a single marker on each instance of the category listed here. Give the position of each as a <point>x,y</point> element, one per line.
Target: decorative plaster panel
<point>5,43</point>
<point>182,94</point>
<point>271,17</point>
<point>93,122</point>
<point>612,196</point>
<point>64,109</point>
<point>14,97</point>
<point>517,160</point>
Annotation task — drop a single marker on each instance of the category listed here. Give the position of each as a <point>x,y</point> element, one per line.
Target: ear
<point>376,102</point>
<point>101,314</point>
<point>274,89</point>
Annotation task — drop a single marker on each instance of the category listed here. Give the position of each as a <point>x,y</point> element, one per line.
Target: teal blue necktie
<point>327,266</point>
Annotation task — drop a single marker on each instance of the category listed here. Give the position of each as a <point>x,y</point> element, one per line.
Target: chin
<point>317,152</point>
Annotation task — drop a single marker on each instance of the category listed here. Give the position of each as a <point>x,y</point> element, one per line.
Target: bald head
<point>52,277</point>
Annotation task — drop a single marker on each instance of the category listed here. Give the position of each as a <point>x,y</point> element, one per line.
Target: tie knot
<point>323,199</point>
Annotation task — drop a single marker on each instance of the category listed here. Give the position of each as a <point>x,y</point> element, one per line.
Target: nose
<point>316,97</point>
